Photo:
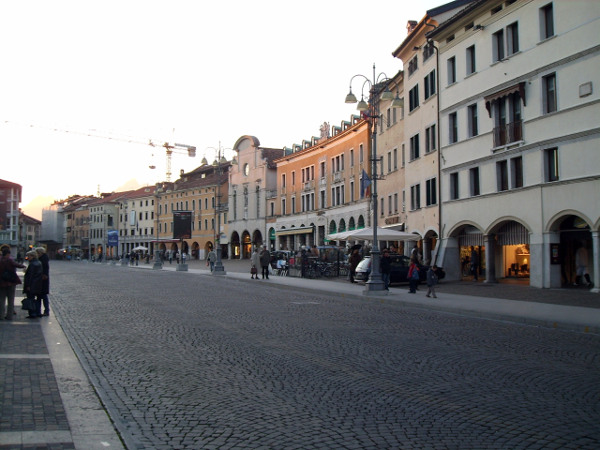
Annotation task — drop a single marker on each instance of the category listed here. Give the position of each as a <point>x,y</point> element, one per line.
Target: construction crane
<point>170,148</point>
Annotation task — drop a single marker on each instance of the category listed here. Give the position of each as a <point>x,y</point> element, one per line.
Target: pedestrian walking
<point>385,265</point>
<point>8,283</point>
<point>474,263</point>
<point>44,260</point>
<point>581,261</point>
<point>212,258</point>
<point>413,278</point>
<point>354,260</point>
<point>32,287</point>
<point>254,264</point>
<point>265,261</point>
<point>432,280</point>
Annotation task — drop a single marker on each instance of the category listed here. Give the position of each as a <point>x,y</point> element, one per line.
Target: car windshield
<point>364,264</point>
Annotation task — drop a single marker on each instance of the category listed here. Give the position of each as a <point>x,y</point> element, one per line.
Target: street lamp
<point>218,165</point>
<point>370,111</point>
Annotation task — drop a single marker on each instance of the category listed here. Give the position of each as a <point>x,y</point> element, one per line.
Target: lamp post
<point>378,90</point>
<point>157,260</point>
<point>218,165</point>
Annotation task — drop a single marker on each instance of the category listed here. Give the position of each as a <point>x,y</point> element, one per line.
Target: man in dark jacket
<point>43,257</point>
<point>265,260</point>
<point>385,263</point>
<point>8,286</point>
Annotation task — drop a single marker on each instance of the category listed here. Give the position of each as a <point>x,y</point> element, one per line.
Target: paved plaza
<point>189,360</point>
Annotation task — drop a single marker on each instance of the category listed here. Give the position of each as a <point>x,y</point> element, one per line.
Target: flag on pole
<point>365,185</point>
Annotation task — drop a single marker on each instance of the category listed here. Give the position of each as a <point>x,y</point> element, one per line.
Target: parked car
<point>399,272</point>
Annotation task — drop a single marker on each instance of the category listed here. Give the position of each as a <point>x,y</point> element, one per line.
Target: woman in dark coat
<point>8,286</point>
<point>354,260</point>
<point>43,257</point>
<point>32,286</point>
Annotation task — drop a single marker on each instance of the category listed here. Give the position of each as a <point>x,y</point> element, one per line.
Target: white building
<point>520,139</point>
<point>10,198</point>
<point>252,180</point>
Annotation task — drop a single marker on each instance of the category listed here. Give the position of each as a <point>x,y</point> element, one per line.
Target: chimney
<point>410,26</point>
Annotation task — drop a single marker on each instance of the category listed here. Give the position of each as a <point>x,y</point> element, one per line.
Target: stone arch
<point>246,245</point>
<point>235,245</point>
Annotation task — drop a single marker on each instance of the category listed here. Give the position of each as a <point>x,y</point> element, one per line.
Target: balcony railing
<point>506,134</point>
<point>308,185</point>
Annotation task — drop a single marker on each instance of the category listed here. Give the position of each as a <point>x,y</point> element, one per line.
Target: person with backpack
<point>413,277</point>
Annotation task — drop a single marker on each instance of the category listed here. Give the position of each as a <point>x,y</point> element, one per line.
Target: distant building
<point>10,198</point>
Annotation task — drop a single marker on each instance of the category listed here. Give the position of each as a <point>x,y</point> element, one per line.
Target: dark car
<point>399,269</point>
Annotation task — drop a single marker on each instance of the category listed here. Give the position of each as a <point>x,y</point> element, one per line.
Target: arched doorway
<point>246,246</point>
<point>235,245</point>
<point>257,239</point>
<point>573,261</point>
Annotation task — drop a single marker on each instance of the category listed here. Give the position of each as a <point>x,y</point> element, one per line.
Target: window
<point>430,84</point>
<point>472,115</point>
<point>502,175</point>
<point>546,22</point>
<point>451,70</point>
<point>549,93</point>
<point>381,207</point>
<point>396,202</point>
<point>389,157</point>
<point>507,129</point>
<point>431,192</point>
<point>283,207</point>
<point>430,139</point>
<point>403,155</point>
<point>428,51</point>
<point>322,169</point>
<point>516,172</point>
<point>390,204</point>
<point>414,147</point>
<point>395,158</point>
<point>413,66</point>
<point>322,202</point>
<point>471,67</point>
<point>474,178</point>
<point>551,164</point>
<point>454,186</point>
<point>415,197</point>
<point>413,98</point>
<point>351,157</point>
<point>361,154</point>
<point>498,46</point>
<point>293,205</point>
<point>283,180</point>
<point>452,128</point>
<point>512,38</point>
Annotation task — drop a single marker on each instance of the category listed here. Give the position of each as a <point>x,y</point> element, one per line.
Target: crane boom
<point>170,148</point>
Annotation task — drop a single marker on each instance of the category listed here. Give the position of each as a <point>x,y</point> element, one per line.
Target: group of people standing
<point>36,284</point>
<point>260,259</point>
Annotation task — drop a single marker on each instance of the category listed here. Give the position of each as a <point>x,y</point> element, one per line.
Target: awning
<point>517,88</point>
<point>295,230</point>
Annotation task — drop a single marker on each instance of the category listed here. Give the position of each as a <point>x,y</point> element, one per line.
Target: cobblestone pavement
<point>186,360</point>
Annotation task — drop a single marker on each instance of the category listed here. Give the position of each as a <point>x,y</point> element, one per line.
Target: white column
<point>490,258</point>
<point>596,260</point>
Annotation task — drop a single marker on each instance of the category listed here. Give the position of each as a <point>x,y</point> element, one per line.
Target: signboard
<point>113,238</point>
<point>554,254</point>
<point>182,224</point>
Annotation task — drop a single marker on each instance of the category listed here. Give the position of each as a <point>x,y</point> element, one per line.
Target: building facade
<point>251,197</point>
<point>10,198</point>
<point>519,140</point>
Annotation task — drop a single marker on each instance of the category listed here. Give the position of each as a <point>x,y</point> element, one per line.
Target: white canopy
<point>366,234</point>
<point>140,248</point>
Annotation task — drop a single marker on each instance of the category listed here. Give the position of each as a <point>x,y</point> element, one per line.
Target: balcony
<point>509,133</point>
<point>308,185</point>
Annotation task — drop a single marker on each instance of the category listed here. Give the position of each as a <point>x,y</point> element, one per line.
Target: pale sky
<point>210,71</point>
